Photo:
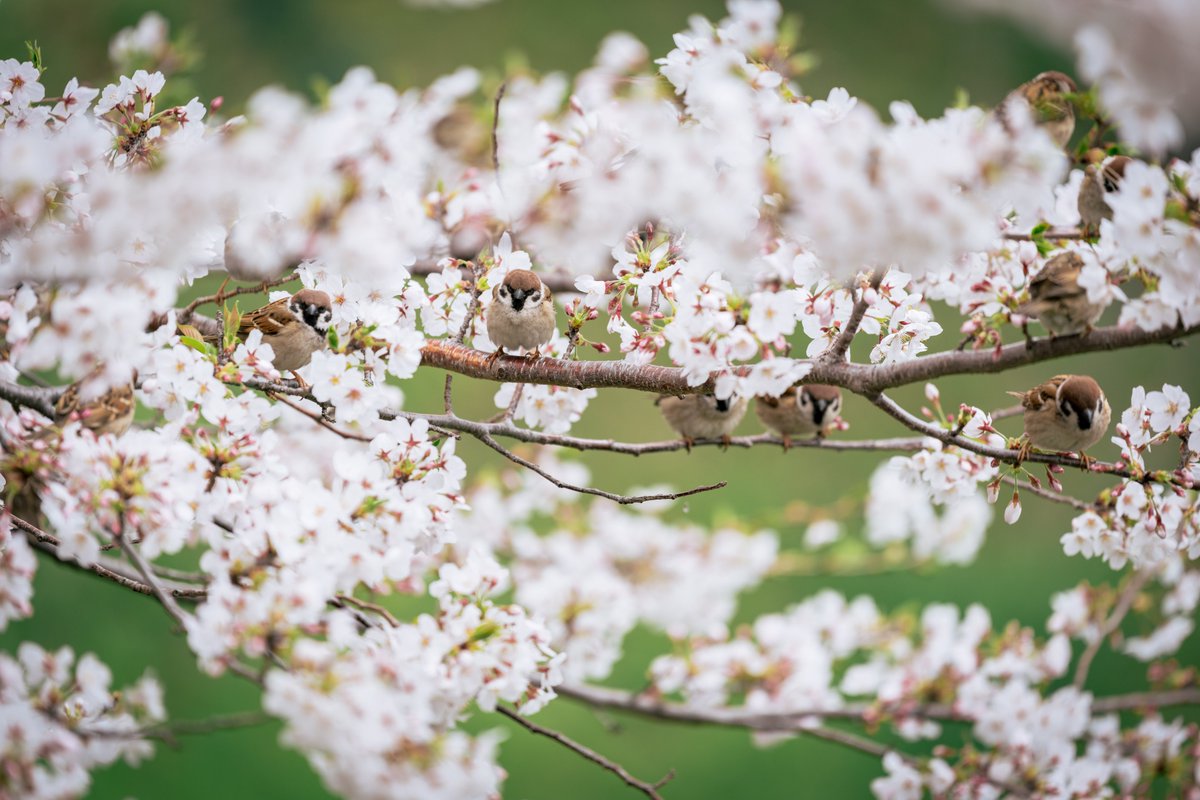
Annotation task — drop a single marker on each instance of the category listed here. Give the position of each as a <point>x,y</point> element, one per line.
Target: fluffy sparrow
<point>1045,98</point>
<point>1058,301</point>
<point>808,410</point>
<point>110,412</point>
<point>521,313</point>
<point>294,326</point>
<point>701,416</point>
<point>1099,180</point>
<point>1068,413</point>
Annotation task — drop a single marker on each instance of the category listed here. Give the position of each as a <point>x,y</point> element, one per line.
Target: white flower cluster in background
<point>61,718</point>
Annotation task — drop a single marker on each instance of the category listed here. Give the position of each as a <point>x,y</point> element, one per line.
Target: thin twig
<point>1070,233</point>
<point>648,789</point>
<point>472,307</point>
<point>168,731</point>
<point>320,419</point>
<point>113,571</point>
<point>1124,602</point>
<point>366,605</point>
<point>616,498</point>
<point>837,351</point>
<point>496,128</point>
<point>186,314</point>
<point>168,601</point>
<point>1026,486</point>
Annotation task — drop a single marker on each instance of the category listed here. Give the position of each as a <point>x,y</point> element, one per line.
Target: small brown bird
<point>1068,413</point>
<point>295,327</point>
<point>1045,98</point>
<point>109,412</point>
<point>701,416</point>
<point>521,313</point>
<point>809,410</point>
<point>1099,180</point>
<point>1058,301</point>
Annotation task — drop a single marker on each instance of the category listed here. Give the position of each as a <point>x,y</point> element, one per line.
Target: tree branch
<point>616,498</point>
<point>1124,602</point>
<point>648,789</point>
<point>859,378</point>
<point>114,571</point>
<point>39,399</point>
<point>168,601</point>
<point>836,353</point>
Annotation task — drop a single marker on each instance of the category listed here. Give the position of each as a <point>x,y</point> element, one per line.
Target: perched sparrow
<point>110,412</point>
<point>1058,301</point>
<point>807,411</point>
<point>1045,97</point>
<point>294,326</point>
<point>1068,413</point>
<point>701,416</point>
<point>1098,180</point>
<point>521,314</point>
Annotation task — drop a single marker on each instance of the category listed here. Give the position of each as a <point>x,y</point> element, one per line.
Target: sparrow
<point>110,412</point>
<point>1058,301</point>
<point>701,416</point>
<point>1098,180</point>
<point>521,313</point>
<point>808,410</point>
<point>1045,97</point>
<point>295,327</point>
<point>1068,413</point>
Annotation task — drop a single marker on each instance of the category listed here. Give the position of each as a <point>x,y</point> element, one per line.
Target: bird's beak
<point>819,408</point>
<point>518,298</point>
<point>722,406</point>
<point>1085,419</point>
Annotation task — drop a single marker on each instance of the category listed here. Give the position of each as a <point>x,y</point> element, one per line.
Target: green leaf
<point>35,54</point>
<point>331,336</point>
<point>233,322</point>
<point>198,345</point>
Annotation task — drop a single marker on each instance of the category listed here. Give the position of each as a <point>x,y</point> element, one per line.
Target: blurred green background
<point>880,50</point>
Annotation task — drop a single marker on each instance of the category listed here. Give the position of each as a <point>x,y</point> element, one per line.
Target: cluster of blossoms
<point>61,718</point>
<point>721,219</point>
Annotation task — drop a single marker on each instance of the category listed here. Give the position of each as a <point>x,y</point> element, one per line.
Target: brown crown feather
<point>819,391</point>
<point>1080,391</point>
<point>1057,78</point>
<point>313,297</point>
<point>523,279</point>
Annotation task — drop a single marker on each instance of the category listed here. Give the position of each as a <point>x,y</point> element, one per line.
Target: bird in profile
<point>702,416</point>
<point>1099,180</point>
<point>1066,414</point>
<point>1058,301</point>
<point>295,327</point>
<point>809,410</point>
<point>521,314</point>
<point>1046,98</point>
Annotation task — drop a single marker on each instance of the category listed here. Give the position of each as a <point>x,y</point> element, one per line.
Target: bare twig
<point>1069,233</point>
<point>374,608</point>
<point>1124,602</point>
<point>1139,700</point>
<point>496,128</point>
<point>837,351</point>
<point>168,731</point>
<point>319,419</point>
<point>188,311</point>
<point>1055,497</point>
<point>473,307</point>
<point>168,601</point>
<point>114,571</point>
<point>616,498</point>
<point>648,789</point>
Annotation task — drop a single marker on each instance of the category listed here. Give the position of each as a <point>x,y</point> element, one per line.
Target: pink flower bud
<point>1013,512</point>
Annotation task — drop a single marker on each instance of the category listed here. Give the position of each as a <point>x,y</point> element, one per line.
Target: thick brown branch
<point>859,378</point>
<point>39,399</point>
<point>648,789</point>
